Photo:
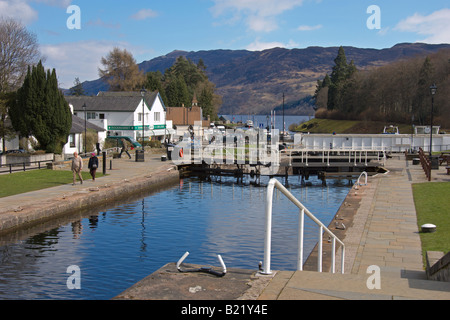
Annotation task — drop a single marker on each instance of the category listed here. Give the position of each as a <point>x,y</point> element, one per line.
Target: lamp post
<point>433,90</point>
<point>85,116</point>
<point>284,129</point>
<point>143,91</point>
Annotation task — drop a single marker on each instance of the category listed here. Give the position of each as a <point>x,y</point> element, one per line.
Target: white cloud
<point>79,59</point>
<point>56,3</point>
<point>259,15</point>
<point>258,45</point>
<point>144,14</point>
<point>103,24</point>
<point>19,10</point>
<point>309,28</point>
<point>22,10</point>
<point>435,27</point>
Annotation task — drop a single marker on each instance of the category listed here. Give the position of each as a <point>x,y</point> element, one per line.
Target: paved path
<point>17,207</point>
<point>384,233</point>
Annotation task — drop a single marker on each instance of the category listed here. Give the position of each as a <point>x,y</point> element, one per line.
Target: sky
<point>75,34</point>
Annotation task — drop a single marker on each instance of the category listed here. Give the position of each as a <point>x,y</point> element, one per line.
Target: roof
<point>78,125</point>
<point>112,101</point>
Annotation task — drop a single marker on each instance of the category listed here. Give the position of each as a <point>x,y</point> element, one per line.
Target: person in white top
<point>77,166</point>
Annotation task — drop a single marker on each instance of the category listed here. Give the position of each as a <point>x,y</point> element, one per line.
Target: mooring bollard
<point>104,162</point>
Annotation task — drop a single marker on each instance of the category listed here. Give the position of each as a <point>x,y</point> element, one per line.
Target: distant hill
<point>253,82</point>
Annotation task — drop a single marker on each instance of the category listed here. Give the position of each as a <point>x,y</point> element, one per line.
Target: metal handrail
<point>426,164</point>
<point>354,156</point>
<point>274,183</point>
<point>365,181</point>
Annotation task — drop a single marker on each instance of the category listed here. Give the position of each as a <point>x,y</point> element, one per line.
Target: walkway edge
<point>89,197</point>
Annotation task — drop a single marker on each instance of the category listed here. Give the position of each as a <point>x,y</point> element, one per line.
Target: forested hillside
<point>253,82</point>
<point>397,92</point>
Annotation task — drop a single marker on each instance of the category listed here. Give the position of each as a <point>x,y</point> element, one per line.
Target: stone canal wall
<point>58,202</point>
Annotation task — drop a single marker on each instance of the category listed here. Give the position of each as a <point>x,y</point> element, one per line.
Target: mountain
<point>253,82</point>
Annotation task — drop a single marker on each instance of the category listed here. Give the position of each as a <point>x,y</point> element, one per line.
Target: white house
<point>125,113</point>
<point>75,140</point>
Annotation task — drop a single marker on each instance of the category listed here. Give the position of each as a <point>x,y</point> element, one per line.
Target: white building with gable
<point>125,113</point>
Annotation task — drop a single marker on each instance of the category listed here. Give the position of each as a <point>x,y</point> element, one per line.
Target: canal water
<point>115,248</point>
<point>262,121</point>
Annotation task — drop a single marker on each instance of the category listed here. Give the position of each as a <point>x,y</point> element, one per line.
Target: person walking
<point>77,166</point>
<point>124,148</point>
<point>93,165</point>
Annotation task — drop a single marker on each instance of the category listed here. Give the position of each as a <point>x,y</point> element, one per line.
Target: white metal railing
<point>274,183</point>
<point>358,183</point>
<point>326,155</point>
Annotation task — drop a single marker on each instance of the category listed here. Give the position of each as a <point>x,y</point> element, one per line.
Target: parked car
<point>13,151</point>
<point>118,140</point>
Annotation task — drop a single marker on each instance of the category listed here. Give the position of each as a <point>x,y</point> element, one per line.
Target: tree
<point>338,77</point>
<point>421,105</point>
<point>121,71</point>
<point>181,82</point>
<point>205,101</point>
<point>177,93</point>
<point>18,49</point>
<point>77,89</point>
<point>6,130</point>
<point>40,110</point>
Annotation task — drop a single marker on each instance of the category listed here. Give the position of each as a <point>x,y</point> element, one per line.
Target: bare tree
<point>18,50</point>
<point>121,71</point>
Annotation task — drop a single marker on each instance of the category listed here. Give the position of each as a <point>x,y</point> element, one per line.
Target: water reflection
<point>116,247</point>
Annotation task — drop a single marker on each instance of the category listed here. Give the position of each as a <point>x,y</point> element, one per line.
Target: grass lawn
<point>327,126</point>
<point>21,182</point>
<point>317,125</point>
<point>432,201</point>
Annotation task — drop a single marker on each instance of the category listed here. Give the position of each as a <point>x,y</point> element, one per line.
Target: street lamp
<point>284,129</point>
<point>85,116</point>
<point>433,90</point>
<point>143,91</point>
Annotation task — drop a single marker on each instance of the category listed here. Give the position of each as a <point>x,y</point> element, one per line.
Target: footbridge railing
<point>274,183</point>
<point>426,164</point>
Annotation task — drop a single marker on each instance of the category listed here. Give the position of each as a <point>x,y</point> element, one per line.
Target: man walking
<point>77,166</point>
<point>124,148</point>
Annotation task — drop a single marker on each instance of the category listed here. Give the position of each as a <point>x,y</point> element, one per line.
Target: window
<point>140,117</point>
<point>101,116</point>
<point>157,116</point>
<point>72,140</point>
<point>90,115</point>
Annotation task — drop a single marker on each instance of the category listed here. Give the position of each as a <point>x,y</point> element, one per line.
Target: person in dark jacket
<point>124,148</point>
<point>93,165</point>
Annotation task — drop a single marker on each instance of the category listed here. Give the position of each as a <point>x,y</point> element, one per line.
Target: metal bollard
<point>104,162</point>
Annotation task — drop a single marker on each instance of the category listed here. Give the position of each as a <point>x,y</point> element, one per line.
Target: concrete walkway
<point>384,234</point>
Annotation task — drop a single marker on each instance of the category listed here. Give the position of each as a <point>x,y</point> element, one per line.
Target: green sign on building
<point>137,128</point>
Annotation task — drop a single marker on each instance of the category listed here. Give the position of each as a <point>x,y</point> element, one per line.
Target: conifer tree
<point>41,111</point>
<point>421,101</point>
<point>338,77</point>
<point>77,89</point>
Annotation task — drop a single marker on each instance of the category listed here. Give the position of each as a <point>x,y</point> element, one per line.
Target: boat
<point>391,130</point>
<point>249,124</point>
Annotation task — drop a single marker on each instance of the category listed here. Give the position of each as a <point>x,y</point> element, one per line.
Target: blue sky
<point>153,28</point>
